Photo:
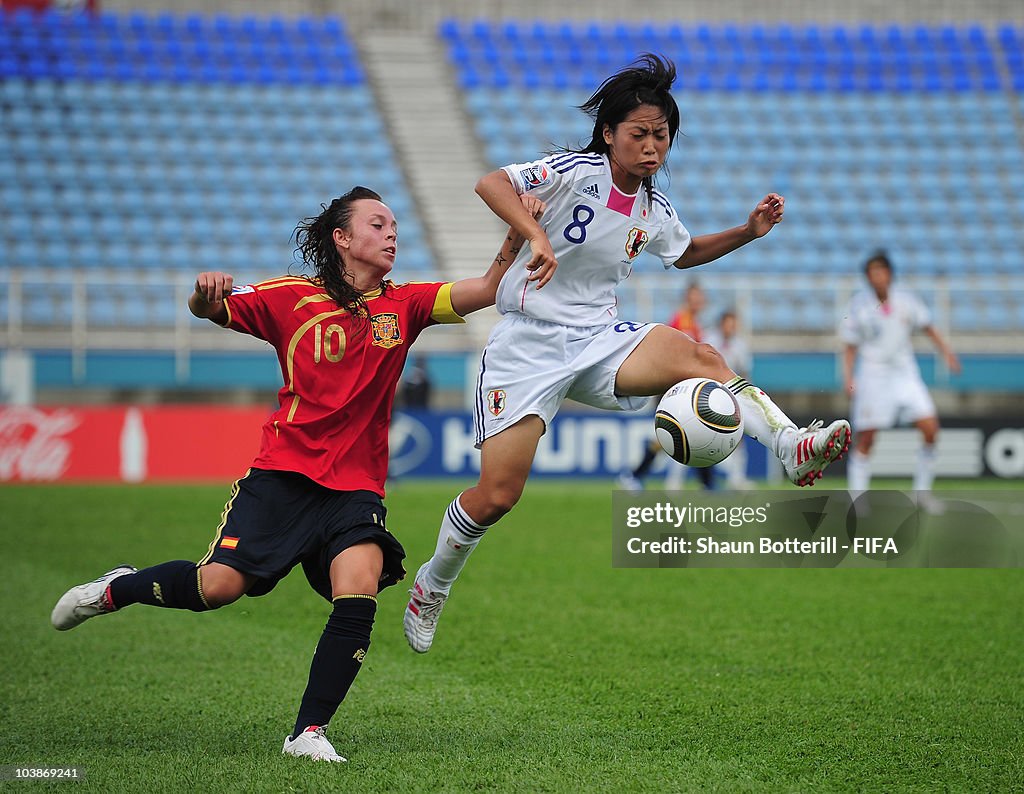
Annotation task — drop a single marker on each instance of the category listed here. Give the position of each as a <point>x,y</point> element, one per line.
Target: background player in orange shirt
<point>314,492</point>
<point>687,316</point>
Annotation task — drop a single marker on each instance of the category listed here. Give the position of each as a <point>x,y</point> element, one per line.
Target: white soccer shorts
<point>530,367</point>
<point>884,401</point>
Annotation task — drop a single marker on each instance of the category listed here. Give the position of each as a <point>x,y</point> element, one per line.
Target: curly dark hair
<point>647,81</point>
<point>314,238</point>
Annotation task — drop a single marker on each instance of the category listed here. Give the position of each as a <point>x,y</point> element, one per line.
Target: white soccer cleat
<point>926,501</point>
<point>421,614</point>
<point>627,482</point>
<point>807,452</point>
<point>312,743</point>
<point>86,601</point>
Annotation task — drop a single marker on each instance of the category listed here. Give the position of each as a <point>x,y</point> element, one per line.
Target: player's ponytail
<point>314,238</point>
<point>648,81</point>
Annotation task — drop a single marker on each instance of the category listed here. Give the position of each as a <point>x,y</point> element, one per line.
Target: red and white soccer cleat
<point>807,452</point>
<point>86,601</point>
<point>312,743</point>
<point>421,614</point>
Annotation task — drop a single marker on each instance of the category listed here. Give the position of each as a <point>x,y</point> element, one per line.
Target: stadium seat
<point>919,129</point>
<point>169,127</point>
<point>878,131</point>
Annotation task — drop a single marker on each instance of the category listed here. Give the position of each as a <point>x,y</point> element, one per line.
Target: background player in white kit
<point>887,389</point>
<point>726,338</point>
<point>560,335</point>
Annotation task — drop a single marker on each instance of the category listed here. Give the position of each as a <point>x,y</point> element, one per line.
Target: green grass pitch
<point>551,671</point>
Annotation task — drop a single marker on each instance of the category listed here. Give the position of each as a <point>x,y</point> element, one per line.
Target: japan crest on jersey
<point>636,242</point>
<point>496,401</point>
<point>535,176</point>
<point>386,331</point>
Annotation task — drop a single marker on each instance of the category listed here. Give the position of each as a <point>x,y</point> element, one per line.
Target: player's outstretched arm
<point>498,193</point>
<point>207,299</point>
<point>849,358</point>
<point>952,360</point>
<point>709,247</point>
<point>471,294</point>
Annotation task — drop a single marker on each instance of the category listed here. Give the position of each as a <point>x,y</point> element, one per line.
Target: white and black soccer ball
<point>698,422</point>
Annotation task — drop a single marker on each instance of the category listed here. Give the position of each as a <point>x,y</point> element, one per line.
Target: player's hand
<point>543,263</point>
<point>213,287</point>
<point>766,214</point>
<point>850,386</point>
<point>533,205</point>
<point>953,362</point>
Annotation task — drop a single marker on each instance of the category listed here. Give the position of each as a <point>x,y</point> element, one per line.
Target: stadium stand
<point>178,143</point>
<point>137,148</point>
<point>902,137</point>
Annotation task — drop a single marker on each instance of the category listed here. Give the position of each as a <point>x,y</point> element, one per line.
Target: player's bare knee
<point>220,596</point>
<point>360,585</point>
<point>500,500</point>
<point>711,363</point>
<point>364,581</point>
<point>219,590</point>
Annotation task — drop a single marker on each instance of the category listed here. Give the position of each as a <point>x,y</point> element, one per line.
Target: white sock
<point>924,473</point>
<point>456,539</point>
<point>674,475</point>
<point>735,467</point>
<point>858,473</point>
<point>763,420</point>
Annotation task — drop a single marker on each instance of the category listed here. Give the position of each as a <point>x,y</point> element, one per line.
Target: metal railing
<point>82,309</point>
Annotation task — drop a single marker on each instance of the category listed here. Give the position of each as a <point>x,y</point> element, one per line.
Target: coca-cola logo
<point>32,443</point>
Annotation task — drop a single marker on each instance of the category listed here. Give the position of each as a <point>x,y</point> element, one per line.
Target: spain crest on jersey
<point>636,242</point>
<point>386,331</point>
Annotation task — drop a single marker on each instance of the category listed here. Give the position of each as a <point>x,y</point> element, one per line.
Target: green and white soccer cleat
<point>86,601</point>
<point>312,743</point>
<point>807,452</point>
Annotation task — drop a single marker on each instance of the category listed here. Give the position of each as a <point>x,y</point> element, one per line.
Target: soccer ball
<point>698,422</point>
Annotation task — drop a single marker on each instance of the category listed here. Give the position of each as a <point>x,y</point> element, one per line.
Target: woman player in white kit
<point>560,335</point>
<point>887,389</point>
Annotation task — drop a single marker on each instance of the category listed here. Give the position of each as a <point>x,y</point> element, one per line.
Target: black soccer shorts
<point>275,520</point>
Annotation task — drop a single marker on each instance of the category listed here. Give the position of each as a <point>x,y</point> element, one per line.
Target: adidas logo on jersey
<point>592,191</point>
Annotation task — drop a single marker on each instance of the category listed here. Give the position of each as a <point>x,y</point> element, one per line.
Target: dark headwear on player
<point>647,82</point>
<point>882,258</point>
<point>314,238</point>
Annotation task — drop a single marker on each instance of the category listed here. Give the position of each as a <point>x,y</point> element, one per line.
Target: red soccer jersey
<point>684,320</point>
<point>340,373</point>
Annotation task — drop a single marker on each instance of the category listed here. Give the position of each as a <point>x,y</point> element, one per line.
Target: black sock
<point>170,584</point>
<point>337,660</point>
<point>650,453</point>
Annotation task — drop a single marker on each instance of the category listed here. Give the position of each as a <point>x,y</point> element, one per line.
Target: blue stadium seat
<point>924,118</point>
<point>179,119</point>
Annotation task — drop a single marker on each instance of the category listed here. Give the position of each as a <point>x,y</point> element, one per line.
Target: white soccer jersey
<point>882,332</point>
<point>596,233</point>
